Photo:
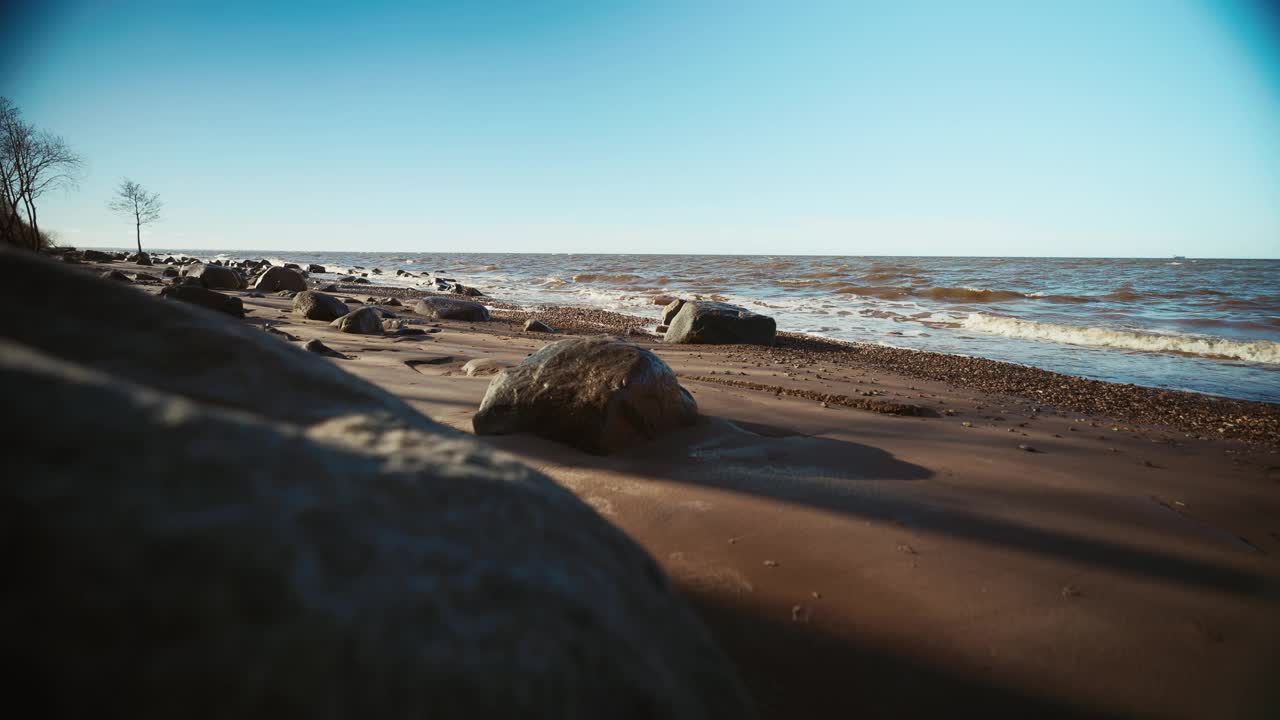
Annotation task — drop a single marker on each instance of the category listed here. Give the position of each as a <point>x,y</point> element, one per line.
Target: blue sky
<point>942,128</point>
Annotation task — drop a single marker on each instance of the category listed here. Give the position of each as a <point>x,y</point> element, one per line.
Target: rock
<point>361,281</point>
<point>145,278</point>
<point>71,258</point>
<point>114,275</point>
<point>313,268</point>
<point>669,312</point>
<point>443,308</point>
<point>361,321</point>
<point>597,394</point>
<point>482,366</point>
<point>281,278</point>
<point>661,329</point>
<point>286,293</point>
<point>347,278</point>
<point>140,259</point>
<point>270,330</point>
<point>460,289</point>
<point>296,542</point>
<point>206,298</point>
<point>320,348</point>
<point>314,305</point>
<point>215,277</point>
<point>390,302</point>
<point>329,288</point>
<point>714,323</point>
<point>170,271</point>
<point>532,325</point>
<point>664,299</point>
<point>292,266</point>
<point>376,271</point>
<point>96,256</point>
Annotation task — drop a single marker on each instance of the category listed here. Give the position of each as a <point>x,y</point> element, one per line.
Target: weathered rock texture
<point>203,521</point>
<point>205,297</point>
<point>215,277</point>
<point>714,323</point>
<point>599,394</point>
<point>314,305</point>
<point>443,308</point>
<point>276,279</point>
<point>361,321</point>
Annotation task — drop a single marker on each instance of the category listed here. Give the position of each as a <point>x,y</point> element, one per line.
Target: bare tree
<point>133,200</point>
<point>32,162</point>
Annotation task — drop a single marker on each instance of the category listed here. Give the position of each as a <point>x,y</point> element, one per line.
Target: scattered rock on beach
<point>96,256</point>
<point>114,275</point>
<point>320,348</point>
<point>313,268</point>
<point>532,325</point>
<point>314,305</point>
<point>297,542</point>
<point>444,308</point>
<point>281,278</point>
<point>140,258</point>
<point>215,277</point>
<point>483,366</point>
<point>206,298</point>
<point>705,322</point>
<point>361,321</point>
<point>598,394</point>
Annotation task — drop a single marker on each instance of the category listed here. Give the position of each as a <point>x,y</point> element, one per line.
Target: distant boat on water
<point>1179,257</point>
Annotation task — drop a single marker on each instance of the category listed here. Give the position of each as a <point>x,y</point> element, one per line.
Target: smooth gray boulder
<point>361,321</point>
<point>599,394</point>
<point>276,279</point>
<point>215,277</point>
<point>315,305</point>
<point>444,308</point>
<point>206,298</point>
<point>223,525</point>
<point>715,323</point>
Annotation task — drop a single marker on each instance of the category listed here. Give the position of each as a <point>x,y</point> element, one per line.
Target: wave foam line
<point>1259,351</point>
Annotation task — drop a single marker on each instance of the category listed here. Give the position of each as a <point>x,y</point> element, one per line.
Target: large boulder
<point>715,323</point>
<point>140,258</point>
<point>281,278</point>
<point>97,256</point>
<point>222,525</point>
<point>215,277</point>
<point>314,305</point>
<point>598,394</point>
<point>443,308</point>
<point>361,321</point>
<point>206,298</point>
<point>669,312</point>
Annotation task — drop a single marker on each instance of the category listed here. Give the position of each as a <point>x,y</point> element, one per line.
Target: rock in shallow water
<point>224,526</point>
<point>598,394</point>
<point>715,323</point>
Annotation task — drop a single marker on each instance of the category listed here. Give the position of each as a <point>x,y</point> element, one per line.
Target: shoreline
<point>1192,414</point>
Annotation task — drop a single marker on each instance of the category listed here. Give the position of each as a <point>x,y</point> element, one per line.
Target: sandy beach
<point>875,534</point>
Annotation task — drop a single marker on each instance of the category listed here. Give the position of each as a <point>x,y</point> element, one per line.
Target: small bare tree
<point>133,200</point>
<point>32,162</point>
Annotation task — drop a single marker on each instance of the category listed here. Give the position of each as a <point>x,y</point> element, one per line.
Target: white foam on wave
<point>1259,351</point>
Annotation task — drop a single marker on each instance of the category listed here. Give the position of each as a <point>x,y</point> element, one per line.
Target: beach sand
<point>1006,555</point>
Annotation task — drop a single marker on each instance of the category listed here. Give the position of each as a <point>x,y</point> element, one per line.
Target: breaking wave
<point>604,277</point>
<point>1259,351</point>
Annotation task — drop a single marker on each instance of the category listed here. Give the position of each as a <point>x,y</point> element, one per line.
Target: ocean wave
<point>604,277</point>
<point>1259,351</point>
<point>964,295</point>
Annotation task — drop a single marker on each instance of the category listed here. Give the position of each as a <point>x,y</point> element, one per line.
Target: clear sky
<point>1082,127</point>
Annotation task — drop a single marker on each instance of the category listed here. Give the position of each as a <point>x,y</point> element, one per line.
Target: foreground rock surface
<point>291,541</point>
<point>443,308</point>
<point>598,394</point>
<point>715,323</point>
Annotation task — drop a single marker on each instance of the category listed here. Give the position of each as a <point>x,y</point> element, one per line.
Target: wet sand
<point>1012,552</point>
